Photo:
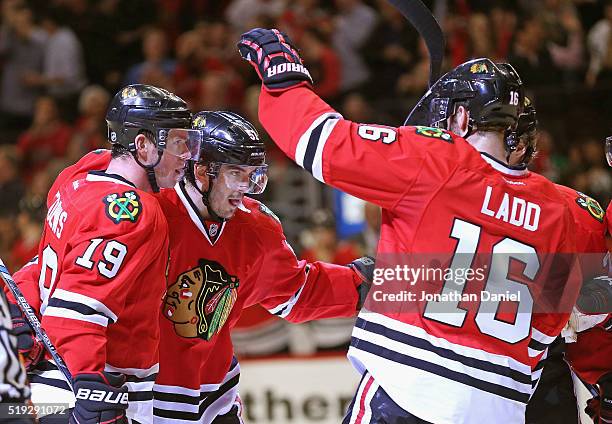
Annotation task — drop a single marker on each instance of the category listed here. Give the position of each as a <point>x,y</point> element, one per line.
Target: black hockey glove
<point>29,347</point>
<point>596,296</point>
<point>275,59</point>
<point>599,408</point>
<point>99,399</point>
<point>364,268</point>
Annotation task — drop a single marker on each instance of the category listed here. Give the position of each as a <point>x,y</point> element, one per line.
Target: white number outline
<point>503,252</point>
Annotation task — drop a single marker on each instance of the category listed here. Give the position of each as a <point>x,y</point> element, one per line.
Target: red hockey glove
<point>29,347</point>
<point>364,268</point>
<point>600,407</point>
<point>100,398</point>
<point>275,59</point>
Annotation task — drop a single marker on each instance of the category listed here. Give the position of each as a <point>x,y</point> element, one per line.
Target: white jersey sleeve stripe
<point>284,309</point>
<point>90,302</point>
<point>309,150</point>
<point>59,312</point>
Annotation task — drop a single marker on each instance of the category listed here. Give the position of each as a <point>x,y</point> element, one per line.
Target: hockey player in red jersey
<point>441,191</point>
<point>588,345</point>
<point>228,252</point>
<point>103,257</point>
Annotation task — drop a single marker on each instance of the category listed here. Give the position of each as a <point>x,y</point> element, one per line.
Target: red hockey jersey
<point>217,270</point>
<point>591,355</point>
<point>27,276</point>
<point>104,240</point>
<point>445,362</point>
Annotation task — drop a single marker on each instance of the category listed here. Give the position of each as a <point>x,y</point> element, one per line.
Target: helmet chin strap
<point>150,169</point>
<point>206,198</point>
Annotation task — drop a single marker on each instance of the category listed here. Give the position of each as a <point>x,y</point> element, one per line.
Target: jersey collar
<point>111,178</point>
<point>516,171</point>
<point>211,230</point>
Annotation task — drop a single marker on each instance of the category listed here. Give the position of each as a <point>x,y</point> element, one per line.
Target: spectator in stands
<point>530,57</point>
<point>600,48</point>
<point>21,52</point>
<point>242,13</point>
<point>323,63</point>
<point>11,185</point>
<point>352,27</point>
<point>503,25</point>
<point>189,67</point>
<point>389,49</point>
<point>90,130</point>
<point>324,244</point>
<point>300,15</point>
<point>47,137</point>
<point>63,74</point>
<point>157,68</point>
<point>30,224</point>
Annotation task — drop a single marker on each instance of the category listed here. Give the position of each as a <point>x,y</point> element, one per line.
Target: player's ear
<point>143,147</point>
<point>460,121</point>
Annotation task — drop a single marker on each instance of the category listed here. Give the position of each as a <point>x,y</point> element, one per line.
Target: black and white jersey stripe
<point>415,368</point>
<point>175,404</point>
<point>139,383</point>
<point>13,384</point>
<point>309,150</point>
<point>284,309</point>
<point>66,304</point>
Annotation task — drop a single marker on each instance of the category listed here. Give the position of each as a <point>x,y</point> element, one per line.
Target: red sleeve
<point>372,162</point>
<point>85,301</point>
<point>27,280</point>
<point>591,356</point>
<point>329,85</point>
<point>300,291</point>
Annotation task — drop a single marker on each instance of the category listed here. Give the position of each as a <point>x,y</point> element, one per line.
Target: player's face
<point>179,148</point>
<point>228,190</point>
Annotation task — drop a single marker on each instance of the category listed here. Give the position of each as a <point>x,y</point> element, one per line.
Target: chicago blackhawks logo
<point>122,207</point>
<point>434,133</point>
<point>201,299</point>
<point>479,68</point>
<point>591,205</point>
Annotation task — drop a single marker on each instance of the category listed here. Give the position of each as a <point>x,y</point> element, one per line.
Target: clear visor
<point>181,142</point>
<point>609,150</point>
<point>243,178</point>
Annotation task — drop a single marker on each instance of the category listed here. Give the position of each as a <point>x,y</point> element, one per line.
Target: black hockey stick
<point>34,322</point>
<point>423,20</point>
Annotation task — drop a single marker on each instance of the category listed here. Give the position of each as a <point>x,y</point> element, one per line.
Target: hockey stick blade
<point>34,322</point>
<point>423,20</point>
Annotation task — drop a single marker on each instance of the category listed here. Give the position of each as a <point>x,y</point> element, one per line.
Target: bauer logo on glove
<point>275,59</point>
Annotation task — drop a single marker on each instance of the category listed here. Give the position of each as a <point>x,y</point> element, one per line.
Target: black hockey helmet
<point>492,93</point>
<point>229,138</point>
<point>609,150</point>
<point>525,132</point>
<point>141,107</point>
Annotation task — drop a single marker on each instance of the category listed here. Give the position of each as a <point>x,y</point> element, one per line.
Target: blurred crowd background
<point>62,60</point>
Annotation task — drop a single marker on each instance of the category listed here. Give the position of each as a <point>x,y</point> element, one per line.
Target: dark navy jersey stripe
<point>134,379</point>
<point>440,370</point>
<point>536,345</point>
<point>77,307</point>
<point>297,293</point>
<point>445,353</point>
<point>49,381</point>
<point>208,400</point>
<point>140,396</point>
<point>313,143</point>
